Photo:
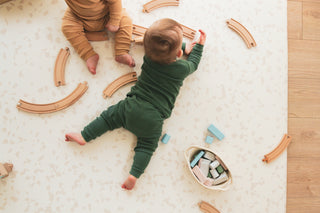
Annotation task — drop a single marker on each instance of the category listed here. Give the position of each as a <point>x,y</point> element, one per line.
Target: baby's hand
<point>202,38</point>
<point>112,28</point>
<point>189,47</point>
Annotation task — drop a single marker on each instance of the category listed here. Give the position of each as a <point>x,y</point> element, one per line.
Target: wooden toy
<point>221,163</point>
<point>215,132</point>
<point>222,178</point>
<point>207,208</point>
<point>286,139</point>
<point>165,138</point>
<point>4,1</point>
<point>60,65</point>
<point>155,4</point>
<point>209,155</point>
<point>214,173</point>
<point>5,169</point>
<point>204,165</point>
<point>208,182</point>
<point>220,169</point>
<point>97,36</point>
<point>138,40</point>
<point>119,82</point>
<point>214,164</point>
<point>196,159</point>
<point>187,32</point>
<point>138,30</point>
<point>209,139</point>
<point>190,155</point>
<point>56,106</point>
<point>243,32</point>
<point>197,172</point>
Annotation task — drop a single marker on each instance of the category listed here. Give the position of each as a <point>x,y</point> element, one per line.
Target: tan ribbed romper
<point>93,15</point>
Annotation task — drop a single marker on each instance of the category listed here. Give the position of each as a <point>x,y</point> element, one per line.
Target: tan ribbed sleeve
<point>115,9</point>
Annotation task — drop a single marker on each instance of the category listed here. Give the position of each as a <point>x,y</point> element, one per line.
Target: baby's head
<point>162,41</point>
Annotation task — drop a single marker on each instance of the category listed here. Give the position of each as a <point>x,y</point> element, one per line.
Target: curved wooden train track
<point>97,36</point>
<point>187,31</point>
<point>138,40</point>
<point>155,4</point>
<point>5,169</point>
<point>119,82</point>
<point>243,32</point>
<point>60,65</point>
<point>3,1</point>
<point>286,139</point>
<point>138,30</point>
<point>56,106</point>
<point>207,208</point>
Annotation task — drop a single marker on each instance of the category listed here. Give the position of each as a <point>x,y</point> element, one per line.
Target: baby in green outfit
<point>152,99</point>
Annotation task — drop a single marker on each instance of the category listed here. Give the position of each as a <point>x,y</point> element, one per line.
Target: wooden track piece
<point>138,40</point>
<point>187,32</point>
<point>207,208</point>
<point>119,82</point>
<point>286,139</point>
<point>97,36</point>
<point>59,67</point>
<point>5,169</point>
<point>243,32</point>
<point>138,30</point>
<point>155,4</point>
<point>4,1</point>
<point>56,106</point>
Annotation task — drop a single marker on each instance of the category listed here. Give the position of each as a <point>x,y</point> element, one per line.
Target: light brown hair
<point>163,40</point>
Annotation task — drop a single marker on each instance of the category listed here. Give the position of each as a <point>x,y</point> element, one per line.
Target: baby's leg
<point>73,30</point>
<point>75,137</point>
<point>123,41</point>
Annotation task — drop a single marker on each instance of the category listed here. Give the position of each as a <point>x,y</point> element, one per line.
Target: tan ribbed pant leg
<point>123,35</point>
<point>73,28</point>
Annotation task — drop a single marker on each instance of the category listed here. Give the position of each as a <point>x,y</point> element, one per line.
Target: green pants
<point>139,117</point>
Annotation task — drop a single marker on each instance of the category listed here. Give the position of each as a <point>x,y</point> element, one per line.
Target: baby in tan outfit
<point>96,15</point>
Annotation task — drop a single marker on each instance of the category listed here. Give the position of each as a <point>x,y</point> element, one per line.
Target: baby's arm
<point>196,53</point>
<point>115,7</point>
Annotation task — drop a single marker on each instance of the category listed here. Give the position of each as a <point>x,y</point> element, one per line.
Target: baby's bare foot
<point>129,183</point>
<point>75,137</point>
<point>92,63</point>
<point>126,59</point>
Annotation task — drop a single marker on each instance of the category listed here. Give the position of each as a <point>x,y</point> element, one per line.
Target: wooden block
<point>209,139</point>
<point>197,172</point>
<point>214,164</point>
<point>165,138</point>
<point>221,179</point>
<point>209,155</point>
<point>204,166</point>
<point>214,173</point>
<point>215,132</point>
<point>196,159</point>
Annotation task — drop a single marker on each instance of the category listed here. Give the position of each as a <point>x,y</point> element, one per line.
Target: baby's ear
<point>179,53</point>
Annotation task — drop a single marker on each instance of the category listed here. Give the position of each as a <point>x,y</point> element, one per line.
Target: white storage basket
<point>190,152</point>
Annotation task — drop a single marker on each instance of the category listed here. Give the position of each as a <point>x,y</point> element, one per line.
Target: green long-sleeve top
<point>159,85</point>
